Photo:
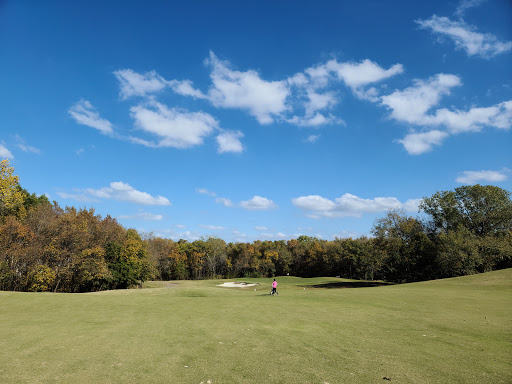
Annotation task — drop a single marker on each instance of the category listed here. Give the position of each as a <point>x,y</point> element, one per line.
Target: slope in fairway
<point>444,331</point>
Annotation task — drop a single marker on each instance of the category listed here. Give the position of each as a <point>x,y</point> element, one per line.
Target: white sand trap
<point>236,284</point>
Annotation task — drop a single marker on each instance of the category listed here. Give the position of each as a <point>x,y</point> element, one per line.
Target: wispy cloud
<point>143,216</point>
<point>204,191</point>
<point>314,121</point>
<point>225,202</point>
<point>135,84</point>
<point>466,37</point>
<point>349,205</point>
<point>5,153</point>
<point>21,144</point>
<point>474,177</point>
<point>116,191</point>
<point>253,204</point>
<point>185,88</point>
<point>312,138</point>
<point>464,5</point>
<point>85,114</point>
<point>212,227</point>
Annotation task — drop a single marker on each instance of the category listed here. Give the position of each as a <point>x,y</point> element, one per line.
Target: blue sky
<point>255,120</point>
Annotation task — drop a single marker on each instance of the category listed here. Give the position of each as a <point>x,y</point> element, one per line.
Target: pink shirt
<point>274,284</point>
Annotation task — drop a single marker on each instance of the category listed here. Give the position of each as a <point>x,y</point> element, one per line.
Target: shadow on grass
<point>348,284</point>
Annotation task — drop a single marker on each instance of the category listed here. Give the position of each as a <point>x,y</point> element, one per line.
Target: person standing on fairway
<point>274,287</point>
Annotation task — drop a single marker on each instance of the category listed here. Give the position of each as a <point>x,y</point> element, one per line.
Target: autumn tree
<point>11,198</point>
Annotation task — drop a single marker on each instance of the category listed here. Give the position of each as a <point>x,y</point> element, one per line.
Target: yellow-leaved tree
<point>11,197</point>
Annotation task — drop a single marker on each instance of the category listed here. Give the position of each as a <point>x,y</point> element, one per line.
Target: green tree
<point>458,253</point>
<point>483,210</point>
<point>408,251</point>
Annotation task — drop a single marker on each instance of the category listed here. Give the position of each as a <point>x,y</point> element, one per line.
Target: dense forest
<point>44,247</point>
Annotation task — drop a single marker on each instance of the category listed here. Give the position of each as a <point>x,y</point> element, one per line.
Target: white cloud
<point>465,37</point>
<point>78,195</point>
<point>185,88</point>
<point>28,148</point>
<point>418,143</point>
<point>136,84</point>
<point>464,5</point>
<point>357,75</point>
<point>273,236</point>
<point>143,216</point>
<point>224,201</point>
<point>314,203</point>
<point>230,142</point>
<point>173,128</point>
<point>261,228</point>
<point>117,191</point>
<point>84,113</point>
<point>412,104</point>
<point>349,205</point>
<point>258,203</point>
<point>204,191</point>
<point>312,138</point>
<point>125,192</point>
<point>5,153</point>
<point>25,147</point>
<point>497,116</point>
<point>314,121</point>
<point>246,90</point>
<point>212,227</point>
<point>319,101</point>
<point>474,177</point>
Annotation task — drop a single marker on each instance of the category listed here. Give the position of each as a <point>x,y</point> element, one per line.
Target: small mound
<point>236,284</point>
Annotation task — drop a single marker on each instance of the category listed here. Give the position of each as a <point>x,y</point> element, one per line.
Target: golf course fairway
<point>319,330</point>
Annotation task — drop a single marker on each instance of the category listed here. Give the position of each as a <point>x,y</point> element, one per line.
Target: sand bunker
<point>236,284</point>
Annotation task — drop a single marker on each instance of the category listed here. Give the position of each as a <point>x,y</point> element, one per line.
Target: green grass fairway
<point>446,331</point>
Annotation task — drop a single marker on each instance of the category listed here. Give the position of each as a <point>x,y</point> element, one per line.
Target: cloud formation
<point>135,84</point>
<point>230,142</point>
<point>350,205</point>
<point>412,104</point>
<point>263,99</point>
<point>254,204</point>
<point>5,153</point>
<point>85,114</point>
<point>116,191</point>
<point>474,177</point>
<point>464,5</point>
<point>466,37</point>
<point>172,127</point>
<point>422,142</point>
<point>258,203</point>
<point>143,216</point>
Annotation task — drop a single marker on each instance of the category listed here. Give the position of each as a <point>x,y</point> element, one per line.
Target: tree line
<point>44,247</point>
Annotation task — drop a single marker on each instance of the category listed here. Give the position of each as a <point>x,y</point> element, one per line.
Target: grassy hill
<point>316,331</point>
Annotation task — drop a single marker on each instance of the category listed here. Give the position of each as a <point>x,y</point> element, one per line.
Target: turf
<point>315,331</point>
